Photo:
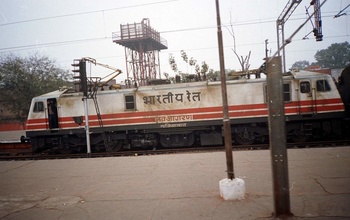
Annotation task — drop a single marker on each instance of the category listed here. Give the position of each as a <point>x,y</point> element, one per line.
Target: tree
<point>243,61</point>
<point>192,62</point>
<point>166,75</point>
<point>204,70</point>
<point>335,56</point>
<point>172,63</point>
<point>201,70</point>
<point>213,75</point>
<point>301,64</point>
<point>184,56</point>
<point>21,79</point>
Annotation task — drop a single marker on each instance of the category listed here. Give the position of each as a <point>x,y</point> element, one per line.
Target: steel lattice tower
<point>142,45</point>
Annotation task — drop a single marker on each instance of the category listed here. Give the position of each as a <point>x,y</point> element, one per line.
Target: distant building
<point>335,73</point>
<point>318,69</point>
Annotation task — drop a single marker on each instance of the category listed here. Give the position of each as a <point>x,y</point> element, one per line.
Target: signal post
<point>82,83</point>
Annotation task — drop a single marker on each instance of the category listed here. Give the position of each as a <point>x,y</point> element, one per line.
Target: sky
<point>65,30</point>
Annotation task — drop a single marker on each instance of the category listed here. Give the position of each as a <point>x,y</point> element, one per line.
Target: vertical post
<point>226,120</point>
<point>141,77</point>
<point>83,82</point>
<point>277,134</point>
<point>318,21</point>
<point>280,39</point>
<point>87,130</point>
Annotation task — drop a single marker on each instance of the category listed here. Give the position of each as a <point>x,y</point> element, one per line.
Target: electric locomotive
<point>183,114</point>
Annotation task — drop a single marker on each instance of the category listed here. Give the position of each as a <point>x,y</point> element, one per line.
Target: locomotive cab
<point>316,91</point>
<point>319,107</point>
<point>45,107</point>
<point>43,118</point>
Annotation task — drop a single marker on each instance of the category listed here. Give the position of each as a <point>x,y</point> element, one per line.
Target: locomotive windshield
<point>323,86</point>
<point>38,107</point>
<point>305,87</point>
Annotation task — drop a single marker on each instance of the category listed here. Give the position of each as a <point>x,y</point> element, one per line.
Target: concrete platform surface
<point>181,186</point>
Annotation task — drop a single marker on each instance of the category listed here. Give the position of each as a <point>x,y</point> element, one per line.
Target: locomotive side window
<point>38,107</point>
<point>286,92</point>
<point>129,102</point>
<point>322,86</point>
<point>305,87</point>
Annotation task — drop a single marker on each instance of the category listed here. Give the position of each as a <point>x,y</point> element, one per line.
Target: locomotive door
<point>306,98</point>
<point>52,113</point>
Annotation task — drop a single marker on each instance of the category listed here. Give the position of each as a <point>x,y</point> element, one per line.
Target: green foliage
<point>21,79</point>
<point>213,75</point>
<point>172,63</point>
<point>201,70</point>
<point>166,75</point>
<point>184,56</point>
<point>301,64</point>
<point>335,56</point>
<point>192,62</point>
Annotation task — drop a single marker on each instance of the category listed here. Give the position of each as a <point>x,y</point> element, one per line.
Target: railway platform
<point>174,186</point>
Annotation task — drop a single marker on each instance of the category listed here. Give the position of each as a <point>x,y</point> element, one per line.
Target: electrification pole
<point>226,120</point>
<point>277,135</point>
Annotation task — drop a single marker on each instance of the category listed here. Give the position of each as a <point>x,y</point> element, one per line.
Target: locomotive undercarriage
<point>248,134</point>
<point>242,134</point>
<point>314,130</point>
<point>76,143</point>
<point>197,136</point>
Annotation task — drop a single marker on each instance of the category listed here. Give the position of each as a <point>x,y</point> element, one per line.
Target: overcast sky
<point>69,29</point>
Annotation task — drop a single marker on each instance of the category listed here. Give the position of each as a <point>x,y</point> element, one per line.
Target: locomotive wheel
<point>244,139</point>
<point>244,135</point>
<point>299,137</point>
<point>113,146</point>
<point>117,146</point>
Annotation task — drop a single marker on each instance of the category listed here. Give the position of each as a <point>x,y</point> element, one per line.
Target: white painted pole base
<point>232,189</point>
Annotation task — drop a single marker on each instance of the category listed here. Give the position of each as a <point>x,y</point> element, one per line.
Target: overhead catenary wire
<point>289,40</point>
<point>60,43</point>
<point>87,12</point>
<point>87,40</point>
<point>340,13</point>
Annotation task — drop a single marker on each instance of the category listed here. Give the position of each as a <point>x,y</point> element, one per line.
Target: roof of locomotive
<point>302,74</point>
<point>53,94</point>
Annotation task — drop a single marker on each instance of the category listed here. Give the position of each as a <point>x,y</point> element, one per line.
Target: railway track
<point>14,148</point>
<point>22,151</point>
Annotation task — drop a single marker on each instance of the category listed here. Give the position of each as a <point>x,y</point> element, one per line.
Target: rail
<point>127,153</point>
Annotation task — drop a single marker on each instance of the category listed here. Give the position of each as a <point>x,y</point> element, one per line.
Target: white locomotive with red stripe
<point>183,114</point>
